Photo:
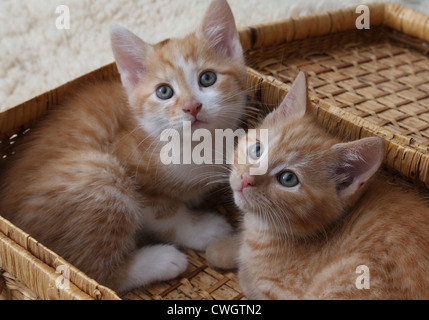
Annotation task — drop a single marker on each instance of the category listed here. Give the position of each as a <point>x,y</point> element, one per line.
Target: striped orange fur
<point>342,232</point>
<point>89,181</point>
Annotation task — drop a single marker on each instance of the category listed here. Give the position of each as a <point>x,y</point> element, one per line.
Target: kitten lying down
<point>320,224</point>
<point>90,178</point>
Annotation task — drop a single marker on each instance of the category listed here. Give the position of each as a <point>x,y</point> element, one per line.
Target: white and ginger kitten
<point>90,178</point>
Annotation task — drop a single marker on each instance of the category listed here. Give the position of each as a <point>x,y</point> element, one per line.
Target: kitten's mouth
<point>197,123</point>
<point>240,194</point>
<point>242,200</point>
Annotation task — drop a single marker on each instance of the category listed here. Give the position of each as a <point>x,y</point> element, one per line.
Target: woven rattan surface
<point>373,74</point>
<point>13,289</point>
<point>200,282</point>
<point>32,270</point>
<point>376,81</point>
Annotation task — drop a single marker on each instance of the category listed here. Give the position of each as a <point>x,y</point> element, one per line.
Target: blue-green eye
<point>207,79</point>
<point>288,179</point>
<point>255,151</point>
<point>164,92</point>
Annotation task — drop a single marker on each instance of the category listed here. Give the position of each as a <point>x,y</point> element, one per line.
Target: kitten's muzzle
<point>193,109</point>
<point>246,181</point>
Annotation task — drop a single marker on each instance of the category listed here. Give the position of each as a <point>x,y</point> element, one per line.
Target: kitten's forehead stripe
<point>187,76</point>
<point>164,42</point>
<point>165,61</point>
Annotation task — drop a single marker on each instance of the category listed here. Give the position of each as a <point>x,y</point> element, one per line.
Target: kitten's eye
<point>255,151</point>
<point>288,179</point>
<point>207,79</point>
<point>164,92</point>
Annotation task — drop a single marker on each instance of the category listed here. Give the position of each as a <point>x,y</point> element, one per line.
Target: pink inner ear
<point>131,70</point>
<point>129,52</point>
<point>222,41</point>
<point>135,70</point>
<point>295,102</point>
<point>357,162</point>
<point>219,28</point>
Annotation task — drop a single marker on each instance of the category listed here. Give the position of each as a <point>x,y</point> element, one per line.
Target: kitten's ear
<point>356,163</point>
<point>129,52</point>
<point>219,28</point>
<point>295,102</point>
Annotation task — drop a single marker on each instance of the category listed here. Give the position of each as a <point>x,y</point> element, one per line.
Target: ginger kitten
<point>321,223</point>
<point>90,178</point>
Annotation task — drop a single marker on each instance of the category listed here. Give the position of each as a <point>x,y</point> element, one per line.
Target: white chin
<point>200,125</point>
<point>240,201</point>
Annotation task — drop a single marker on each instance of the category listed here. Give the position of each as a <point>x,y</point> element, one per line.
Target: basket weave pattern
<point>374,78</point>
<point>375,82</point>
<point>200,282</point>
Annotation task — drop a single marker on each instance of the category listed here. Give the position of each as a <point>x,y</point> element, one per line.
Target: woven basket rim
<point>45,278</point>
<point>389,14</point>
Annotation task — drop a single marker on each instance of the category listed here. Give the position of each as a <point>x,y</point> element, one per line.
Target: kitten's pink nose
<point>246,181</point>
<point>193,109</point>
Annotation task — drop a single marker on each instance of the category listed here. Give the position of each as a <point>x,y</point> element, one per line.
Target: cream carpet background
<point>36,56</point>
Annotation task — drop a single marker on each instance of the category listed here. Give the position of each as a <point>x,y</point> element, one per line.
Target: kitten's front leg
<point>153,263</point>
<point>196,230</point>
<point>188,228</point>
<point>223,253</point>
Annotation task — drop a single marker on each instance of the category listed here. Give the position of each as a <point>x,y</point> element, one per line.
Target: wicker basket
<point>362,82</point>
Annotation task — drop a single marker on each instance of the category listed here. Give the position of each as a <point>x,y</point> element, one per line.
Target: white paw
<point>207,228</point>
<point>155,263</point>
<point>169,263</point>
